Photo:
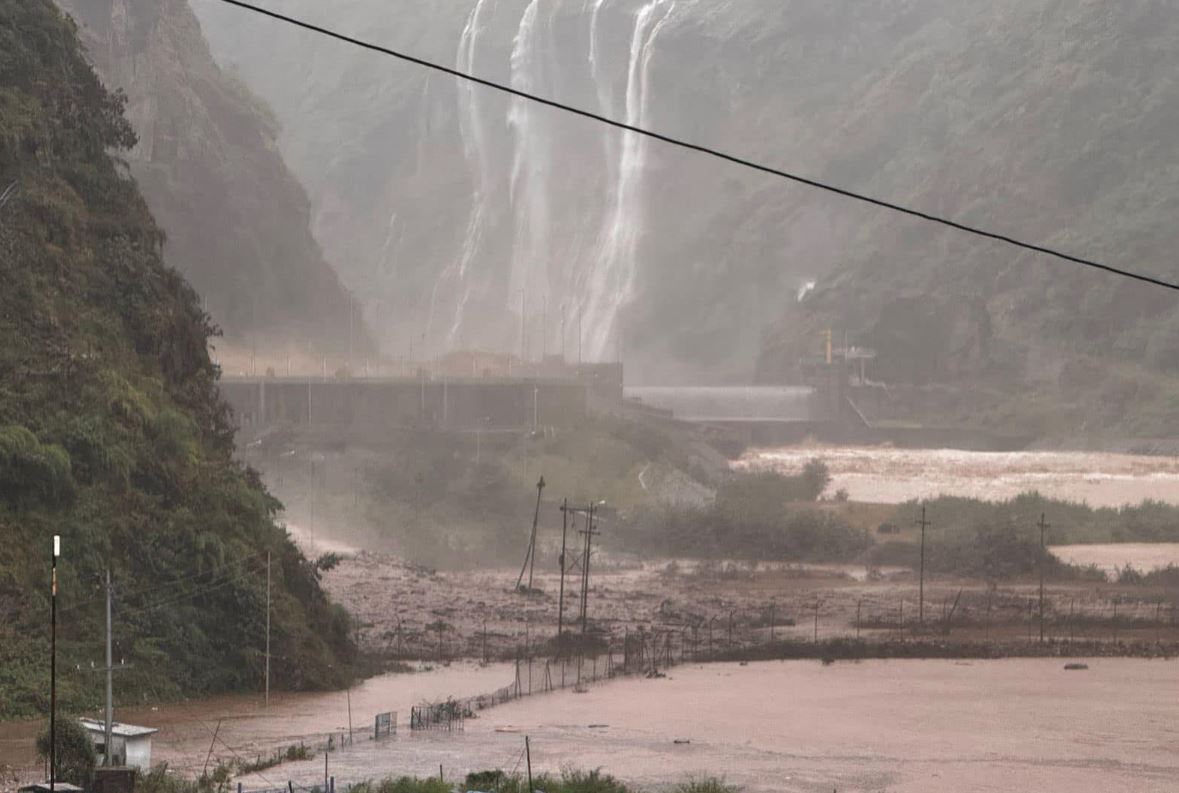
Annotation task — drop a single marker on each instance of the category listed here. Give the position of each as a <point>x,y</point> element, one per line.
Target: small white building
<point>130,745</point>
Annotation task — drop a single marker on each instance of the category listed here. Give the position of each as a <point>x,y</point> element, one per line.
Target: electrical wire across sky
<point>711,152</point>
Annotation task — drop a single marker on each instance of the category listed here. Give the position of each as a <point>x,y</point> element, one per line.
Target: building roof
<point>63,787</point>
<point>122,730</point>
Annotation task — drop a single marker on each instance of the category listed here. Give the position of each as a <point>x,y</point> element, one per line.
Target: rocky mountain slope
<point>1048,120</point>
<point>111,430</point>
<point>236,219</point>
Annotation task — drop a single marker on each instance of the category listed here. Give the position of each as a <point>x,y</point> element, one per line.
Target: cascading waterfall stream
<point>612,281</point>
<point>531,161</point>
<point>510,242</point>
<point>472,129</point>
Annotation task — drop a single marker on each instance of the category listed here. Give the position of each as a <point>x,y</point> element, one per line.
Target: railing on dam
<point>728,404</point>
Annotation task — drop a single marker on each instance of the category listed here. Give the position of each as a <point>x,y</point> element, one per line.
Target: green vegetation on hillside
<point>111,430</point>
<point>765,516</point>
<point>999,539</point>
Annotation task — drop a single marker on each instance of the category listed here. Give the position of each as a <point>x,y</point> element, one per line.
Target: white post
<point>108,729</point>
<point>268,629</point>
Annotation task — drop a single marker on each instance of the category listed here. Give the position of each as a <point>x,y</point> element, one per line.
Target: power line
<point>198,591</point>
<point>148,584</point>
<point>711,152</point>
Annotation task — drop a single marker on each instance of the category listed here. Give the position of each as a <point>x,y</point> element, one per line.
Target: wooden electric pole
<point>1040,564</point>
<point>924,524</point>
<point>561,559</point>
<point>589,531</point>
<point>530,556</point>
<point>528,764</point>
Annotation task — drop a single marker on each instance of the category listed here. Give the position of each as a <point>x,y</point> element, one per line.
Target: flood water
<point>248,728</point>
<point>892,476</point>
<point>1112,557</point>
<point>915,726</point>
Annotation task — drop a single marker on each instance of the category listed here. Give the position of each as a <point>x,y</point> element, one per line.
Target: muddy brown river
<point>892,476</point>
<point>903,726</point>
<point>915,726</point>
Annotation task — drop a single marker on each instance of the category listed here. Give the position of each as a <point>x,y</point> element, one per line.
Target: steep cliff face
<point>112,432</point>
<point>463,208</point>
<point>1045,120</point>
<point>236,220</point>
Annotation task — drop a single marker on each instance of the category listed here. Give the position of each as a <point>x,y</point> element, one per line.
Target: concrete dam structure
<point>374,404</point>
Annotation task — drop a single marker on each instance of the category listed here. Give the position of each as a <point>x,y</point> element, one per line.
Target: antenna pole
<point>107,726</point>
<point>268,629</point>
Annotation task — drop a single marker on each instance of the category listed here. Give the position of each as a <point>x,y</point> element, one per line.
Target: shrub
<point>75,758</point>
<point>708,784</point>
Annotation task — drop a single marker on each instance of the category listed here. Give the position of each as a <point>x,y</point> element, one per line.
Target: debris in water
<point>681,740</point>
<point>1076,666</point>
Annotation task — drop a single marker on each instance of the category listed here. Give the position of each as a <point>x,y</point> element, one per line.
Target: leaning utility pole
<point>530,557</point>
<point>924,524</point>
<point>1043,525</point>
<point>528,755</point>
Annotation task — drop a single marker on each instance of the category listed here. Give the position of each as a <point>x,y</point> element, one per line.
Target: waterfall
<point>601,81</point>
<point>529,182</point>
<point>471,128</point>
<point>611,281</point>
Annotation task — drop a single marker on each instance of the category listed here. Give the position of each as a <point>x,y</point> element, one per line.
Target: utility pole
<point>924,524</point>
<point>561,559</point>
<point>53,665</point>
<point>267,629</point>
<point>107,725</point>
<point>530,557</point>
<point>528,755</point>
<point>1043,550</point>
<point>523,322</point>
<point>589,533</point>
<point>544,334</point>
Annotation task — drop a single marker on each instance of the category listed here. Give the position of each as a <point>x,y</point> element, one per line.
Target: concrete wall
<point>461,404</point>
<point>139,753</point>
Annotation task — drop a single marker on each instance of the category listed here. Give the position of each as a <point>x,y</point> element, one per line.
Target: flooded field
<point>1111,557</point>
<point>248,728</point>
<point>902,726</point>
<point>892,476</point>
